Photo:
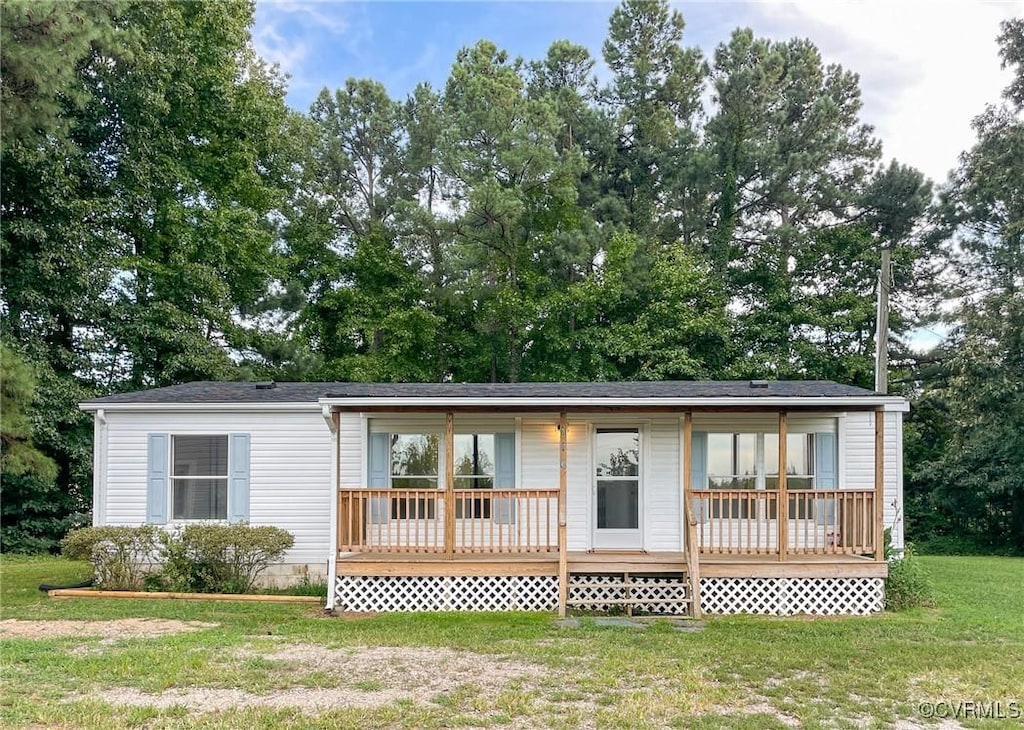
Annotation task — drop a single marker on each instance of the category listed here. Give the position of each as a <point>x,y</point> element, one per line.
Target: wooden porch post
<point>879,485</point>
<point>691,548</point>
<point>563,562</point>
<point>782,530</point>
<point>449,485</point>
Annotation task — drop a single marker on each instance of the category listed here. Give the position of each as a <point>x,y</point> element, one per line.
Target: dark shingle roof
<point>236,392</point>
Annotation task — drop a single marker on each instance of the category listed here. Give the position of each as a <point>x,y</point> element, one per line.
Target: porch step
<point>658,593</point>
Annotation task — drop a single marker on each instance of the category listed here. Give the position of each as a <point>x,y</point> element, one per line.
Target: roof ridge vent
<point>758,383</point>
<point>266,385</point>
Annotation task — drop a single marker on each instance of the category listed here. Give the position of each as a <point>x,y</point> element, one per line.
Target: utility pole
<point>882,320</point>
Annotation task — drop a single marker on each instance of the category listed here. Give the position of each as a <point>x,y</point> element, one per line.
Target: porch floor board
<point>711,566</point>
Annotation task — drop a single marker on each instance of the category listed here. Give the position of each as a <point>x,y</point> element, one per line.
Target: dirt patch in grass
<point>420,672</point>
<point>366,677</point>
<point>207,699</point>
<point>758,706</point>
<point>124,628</point>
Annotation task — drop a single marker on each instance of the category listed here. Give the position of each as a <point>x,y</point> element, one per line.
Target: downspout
<point>332,560</point>
<point>99,467</point>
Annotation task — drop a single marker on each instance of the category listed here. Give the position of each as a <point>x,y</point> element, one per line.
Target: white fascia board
<point>248,407</point>
<point>889,403</point>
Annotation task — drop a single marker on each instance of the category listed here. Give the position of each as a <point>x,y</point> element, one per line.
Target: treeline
<point>167,218</point>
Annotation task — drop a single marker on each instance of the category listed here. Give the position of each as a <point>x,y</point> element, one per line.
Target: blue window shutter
<point>238,477</point>
<point>826,468</point>
<point>825,460</point>
<point>379,466</point>
<point>158,451</point>
<point>699,471</point>
<point>504,509</point>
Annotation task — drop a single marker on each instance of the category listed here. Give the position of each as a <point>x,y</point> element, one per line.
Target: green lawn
<point>282,666</point>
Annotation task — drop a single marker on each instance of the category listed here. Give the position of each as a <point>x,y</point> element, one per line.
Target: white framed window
<point>750,461</point>
<point>732,460</point>
<point>414,460</point>
<point>199,477</point>
<point>414,465</point>
<point>474,468</point>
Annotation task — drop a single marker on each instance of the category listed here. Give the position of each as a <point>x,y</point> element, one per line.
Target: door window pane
<point>618,452</point>
<point>618,504</point>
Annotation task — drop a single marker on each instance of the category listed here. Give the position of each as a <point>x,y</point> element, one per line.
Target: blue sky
<point>926,68</point>
<point>402,43</point>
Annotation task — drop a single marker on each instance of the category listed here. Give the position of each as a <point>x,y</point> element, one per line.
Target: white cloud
<point>296,35</point>
<point>288,53</point>
<point>926,68</point>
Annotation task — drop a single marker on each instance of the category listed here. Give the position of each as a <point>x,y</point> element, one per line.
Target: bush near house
<point>220,558</point>
<point>198,558</point>
<point>121,556</point>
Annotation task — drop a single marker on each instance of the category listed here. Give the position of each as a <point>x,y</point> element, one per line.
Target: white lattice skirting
<point>788,596</point>
<point>772,596</point>
<point>446,593</point>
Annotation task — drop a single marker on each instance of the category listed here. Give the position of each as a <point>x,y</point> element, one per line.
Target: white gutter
<point>325,411</point>
<point>223,406</point>
<point>889,403</point>
<point>99,467</point>
<point>332,495</point>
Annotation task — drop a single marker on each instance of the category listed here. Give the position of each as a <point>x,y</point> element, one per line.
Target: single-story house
<point>664,497</point>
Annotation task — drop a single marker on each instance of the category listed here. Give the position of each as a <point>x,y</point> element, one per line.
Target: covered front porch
<point>761,543</point>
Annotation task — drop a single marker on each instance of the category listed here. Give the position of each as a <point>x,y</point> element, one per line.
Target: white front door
<point>617,488</point>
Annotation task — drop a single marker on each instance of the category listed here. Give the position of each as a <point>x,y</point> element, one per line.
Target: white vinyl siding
<point>290,467</point>
<point>352,468</point>
<point>857,446</point>
<point>663,488</point>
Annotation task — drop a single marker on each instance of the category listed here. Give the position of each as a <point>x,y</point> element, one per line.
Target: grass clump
<point>908,584</point>
<point>305,586</point>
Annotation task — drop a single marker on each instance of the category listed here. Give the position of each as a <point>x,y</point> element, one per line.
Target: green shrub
<point>121,556</point>
<point>908,584</point>
<point>220,558</point>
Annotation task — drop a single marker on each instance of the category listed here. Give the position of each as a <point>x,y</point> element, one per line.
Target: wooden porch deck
<point>731,537</point>
<point>594,562</point>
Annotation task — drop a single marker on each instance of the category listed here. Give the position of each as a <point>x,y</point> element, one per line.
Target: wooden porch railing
<point>421,521</point>
<point>820,522</point>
